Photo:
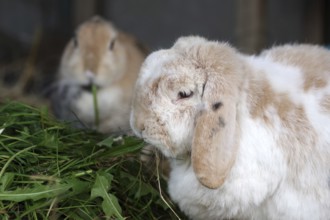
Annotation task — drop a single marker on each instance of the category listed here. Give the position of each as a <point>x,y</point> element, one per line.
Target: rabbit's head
<point>94,54</point>
<point>186,102</point>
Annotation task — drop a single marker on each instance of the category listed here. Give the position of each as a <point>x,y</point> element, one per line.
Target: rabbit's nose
<point>140,125</point>
<point>136,124</point>
<point>142,128</point>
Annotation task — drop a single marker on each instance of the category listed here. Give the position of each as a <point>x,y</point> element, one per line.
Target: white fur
<point>153,61</point>
<point>84,108</point>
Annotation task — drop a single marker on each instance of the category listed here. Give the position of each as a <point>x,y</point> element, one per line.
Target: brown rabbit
<point>100,55</point>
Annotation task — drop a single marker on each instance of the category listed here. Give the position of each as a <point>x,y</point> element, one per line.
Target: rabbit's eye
<point>184,95</point>
<point>112,44</point>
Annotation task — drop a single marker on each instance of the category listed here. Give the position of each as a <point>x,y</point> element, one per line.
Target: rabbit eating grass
<point>248,137</point>
<point>98,55</point>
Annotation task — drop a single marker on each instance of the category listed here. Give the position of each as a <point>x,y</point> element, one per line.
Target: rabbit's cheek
<point>181,131</point>
<point>156,135</point>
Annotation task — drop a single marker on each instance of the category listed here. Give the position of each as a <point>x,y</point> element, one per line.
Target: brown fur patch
<point>297,139</point>
<point>284,106</point>
<point>154,86</point>
<point>314,61</point>
<point>92,51</point>
<point>313,81</point>
<point>261,97</point>
<point>297,136</point>
<point>325,103</point>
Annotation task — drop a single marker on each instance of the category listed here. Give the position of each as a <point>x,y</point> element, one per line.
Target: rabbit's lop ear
<point>216,135</point>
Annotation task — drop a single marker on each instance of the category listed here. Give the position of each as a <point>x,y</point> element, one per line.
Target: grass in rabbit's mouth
<point>49,170</point>
<point>96,108</point>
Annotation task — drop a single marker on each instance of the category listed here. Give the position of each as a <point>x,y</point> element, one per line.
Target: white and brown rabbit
<point>248,137</point>
<point>103,56</point>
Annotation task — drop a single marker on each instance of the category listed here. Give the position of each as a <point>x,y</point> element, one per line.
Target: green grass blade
<point>36,193</point>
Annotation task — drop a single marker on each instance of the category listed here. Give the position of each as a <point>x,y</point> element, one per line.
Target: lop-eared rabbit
<point>248,137</point>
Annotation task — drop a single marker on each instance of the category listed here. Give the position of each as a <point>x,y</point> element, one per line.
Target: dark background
<point>33,33</point>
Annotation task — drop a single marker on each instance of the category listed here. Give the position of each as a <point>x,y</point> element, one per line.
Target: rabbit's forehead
<point>91,32</point>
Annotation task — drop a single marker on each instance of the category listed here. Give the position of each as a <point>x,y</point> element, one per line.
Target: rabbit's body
<point>275,162</point>
<point>267,181</point>
<point>99,55</point>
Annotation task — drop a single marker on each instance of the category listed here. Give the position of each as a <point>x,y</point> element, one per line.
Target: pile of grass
<point>49,170</point>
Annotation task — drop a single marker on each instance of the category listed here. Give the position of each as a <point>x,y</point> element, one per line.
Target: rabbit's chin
<point>169,153</point>
<point>164,148</point>
<point>169,150</point>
